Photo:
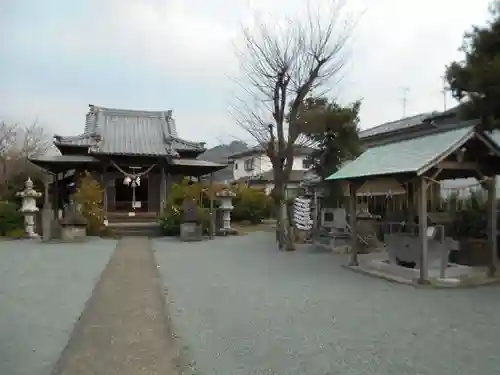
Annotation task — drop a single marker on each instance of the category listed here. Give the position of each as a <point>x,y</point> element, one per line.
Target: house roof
<point>412,122</point>
<point>387,127</point>
<point>129,132</point>
<point>415,155</point>
<point>299,150</point>
<point>296,175</point>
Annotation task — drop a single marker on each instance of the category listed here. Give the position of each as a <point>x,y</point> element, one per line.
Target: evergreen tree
<point>475,81</point>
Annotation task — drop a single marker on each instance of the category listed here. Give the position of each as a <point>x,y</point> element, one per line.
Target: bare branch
<point>17,145</point>
<point>7,136</point>
<point>282,64</point>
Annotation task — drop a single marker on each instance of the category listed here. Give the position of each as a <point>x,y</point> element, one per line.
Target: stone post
<point>47,213</point>
<point>29,208</point>
<point>226,206</point>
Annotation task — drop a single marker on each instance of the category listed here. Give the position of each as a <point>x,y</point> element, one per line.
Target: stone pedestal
<point>225,197</point>
<point>72,233</point>
<point>191,231</point>
<point>29,208</point>
<point>47,221</point>
<point>73,225</point>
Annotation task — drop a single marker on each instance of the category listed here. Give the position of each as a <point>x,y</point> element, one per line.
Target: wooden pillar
<point>104,180</point>
<point>163,190</point>
<point>55,186</point>
<point>47,212</point>
<point>411,213</point>
<point>492,226</point>
<point>422,232</point>
<point>211,230</point>
<point>46,201</point>
<point>353,224</point>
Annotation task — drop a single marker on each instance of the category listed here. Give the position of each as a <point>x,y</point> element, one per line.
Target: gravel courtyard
<point>43,289</point>
<point>239,306</point>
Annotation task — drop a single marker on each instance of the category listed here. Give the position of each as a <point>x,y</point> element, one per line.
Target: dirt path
<point>123,329</point>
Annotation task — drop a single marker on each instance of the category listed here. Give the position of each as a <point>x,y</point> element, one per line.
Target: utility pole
<point>443,91</point>
<point>405,99</point>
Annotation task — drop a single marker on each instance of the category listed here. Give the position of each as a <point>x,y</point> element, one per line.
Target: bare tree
<point>281,67</point>
<point>7,139</point>
<point>18,144</point>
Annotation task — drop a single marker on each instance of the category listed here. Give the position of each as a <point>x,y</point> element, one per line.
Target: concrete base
<point>71,233</point>
<point>455,275</point>
<point>226,232</point>
<point>191,232</point>
<point>47,223</point>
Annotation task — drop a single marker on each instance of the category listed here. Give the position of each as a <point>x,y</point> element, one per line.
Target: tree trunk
<point>284,232</point>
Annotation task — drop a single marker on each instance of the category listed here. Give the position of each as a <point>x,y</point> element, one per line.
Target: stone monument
<point>29,208</point>
<point>225,198</point>
<point>191,228</point>
<point>73,225</point>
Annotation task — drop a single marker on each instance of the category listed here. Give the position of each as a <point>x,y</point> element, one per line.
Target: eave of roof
<point>70,159</point>
<point>195,167</point>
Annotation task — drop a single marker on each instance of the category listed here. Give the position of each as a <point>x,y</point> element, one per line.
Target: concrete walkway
<point>124,328</point>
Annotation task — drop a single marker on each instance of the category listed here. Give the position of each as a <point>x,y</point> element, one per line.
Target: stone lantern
<point>225,197</point>
<point>29,208</point>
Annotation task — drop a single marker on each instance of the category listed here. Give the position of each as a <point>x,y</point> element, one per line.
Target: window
<point>235,165</point>
<point>249,165</point>
<point>306,163</point>
<point>292,192</point>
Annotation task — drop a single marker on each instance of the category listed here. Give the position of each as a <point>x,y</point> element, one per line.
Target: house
<point>254,167</point>
<point>220,154</point>
<point>135,155</point>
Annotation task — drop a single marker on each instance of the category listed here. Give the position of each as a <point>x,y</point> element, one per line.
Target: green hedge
<point>251,205</point>
<point>11,219</point>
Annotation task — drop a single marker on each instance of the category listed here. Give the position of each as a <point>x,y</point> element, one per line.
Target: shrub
<point>15,233</point>
<point>10,218</point>
<point>170,222</point>
<point>251,204</point>
<point>89,196</point>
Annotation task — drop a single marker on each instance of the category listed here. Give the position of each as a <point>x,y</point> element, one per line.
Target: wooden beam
<point>105,184</point>
<point>352,222</point>
<point>492,226</point>
<point>455,165</point>
<point>163,189</point>
<point>211,229</point>
<point>422,223</point>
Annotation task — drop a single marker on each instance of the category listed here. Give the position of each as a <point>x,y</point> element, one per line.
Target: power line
<point>443,91</point>
<point>405,91</point>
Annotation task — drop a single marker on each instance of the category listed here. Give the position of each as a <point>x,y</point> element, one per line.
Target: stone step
<point>140,217</point>
<point>141,229</point>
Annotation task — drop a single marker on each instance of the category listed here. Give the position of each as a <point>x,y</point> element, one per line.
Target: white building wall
<point>261,164</point>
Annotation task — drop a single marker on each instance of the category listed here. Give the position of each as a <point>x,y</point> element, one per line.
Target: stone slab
<point>191,232</point>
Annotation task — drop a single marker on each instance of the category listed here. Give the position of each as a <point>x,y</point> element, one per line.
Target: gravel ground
<point>241,307</point>
<point>43,290</point>
<point>123,329</point>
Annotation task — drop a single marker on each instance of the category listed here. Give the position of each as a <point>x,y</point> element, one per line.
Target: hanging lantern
<point>127,180</point>
<point>138,181</point>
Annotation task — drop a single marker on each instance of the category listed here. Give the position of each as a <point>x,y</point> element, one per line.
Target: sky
<point>59,56</point>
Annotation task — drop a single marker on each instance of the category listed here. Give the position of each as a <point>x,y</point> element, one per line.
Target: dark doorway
<point>124,196</point>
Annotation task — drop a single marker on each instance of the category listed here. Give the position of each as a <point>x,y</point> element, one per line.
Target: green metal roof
<point>409,156</point>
